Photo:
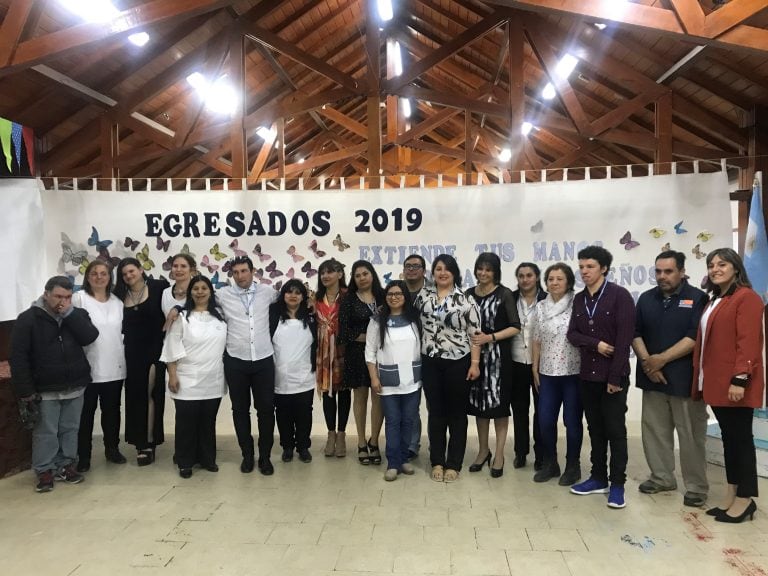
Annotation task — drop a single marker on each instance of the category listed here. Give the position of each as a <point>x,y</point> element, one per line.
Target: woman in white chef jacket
<point>193,352</point>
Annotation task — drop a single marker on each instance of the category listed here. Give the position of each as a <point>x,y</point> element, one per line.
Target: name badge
<point>686,304</point>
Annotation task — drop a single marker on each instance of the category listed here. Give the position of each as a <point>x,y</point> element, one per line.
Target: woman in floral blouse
<point>556,364</point>
<point>449,361</point>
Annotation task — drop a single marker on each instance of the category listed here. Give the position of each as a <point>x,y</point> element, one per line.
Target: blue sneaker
<point>616,497</point>
<point>590,486</point>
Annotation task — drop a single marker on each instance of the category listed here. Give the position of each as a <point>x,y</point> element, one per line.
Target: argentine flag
<point>756,245</point>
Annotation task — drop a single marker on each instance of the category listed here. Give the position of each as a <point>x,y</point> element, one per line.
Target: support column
<point>238,140</point>
<point>663,129</point>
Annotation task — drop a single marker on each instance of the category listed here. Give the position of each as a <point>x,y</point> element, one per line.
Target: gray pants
<point>662,416</point>
<point>54,438</point>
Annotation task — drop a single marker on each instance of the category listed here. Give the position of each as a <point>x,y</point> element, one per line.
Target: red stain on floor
<point>699,531</point>
<point>734,560</point>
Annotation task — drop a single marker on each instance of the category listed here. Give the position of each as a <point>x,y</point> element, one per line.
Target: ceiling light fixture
<point>267,134</point>
<point>406,104</point>
<point>398,56</point>
<point>220,97</point>
<point>600,26</point>
<point>386,12</point>
<point>91,10</point>
<point>566,65</point>
<point>139,39</point>
<point>549,91</point>
<point>526,128</point>
<point>505,155</point>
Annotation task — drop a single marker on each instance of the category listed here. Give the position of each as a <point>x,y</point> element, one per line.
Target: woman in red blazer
<point>728,372</point>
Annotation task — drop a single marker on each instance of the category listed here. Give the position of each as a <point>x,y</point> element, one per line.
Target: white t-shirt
<point>293,363</point>
<point>105,355</point>
<point>168,301</point>
<point>399,361</point>
<point>197,345</point>
<point>703,324</point>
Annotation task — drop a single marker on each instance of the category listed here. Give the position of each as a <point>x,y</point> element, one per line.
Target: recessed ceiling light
<point>139,39</point>
<point>505,155</point>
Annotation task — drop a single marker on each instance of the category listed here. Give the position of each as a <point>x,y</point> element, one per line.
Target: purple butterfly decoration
<point>627,241</point>
<point>308,270</point>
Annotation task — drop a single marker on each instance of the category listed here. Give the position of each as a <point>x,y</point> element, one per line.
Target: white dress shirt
<point>247,315</point>
<point>105,355</point>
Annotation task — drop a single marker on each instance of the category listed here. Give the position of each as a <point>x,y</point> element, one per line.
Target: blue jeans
<point>54,438</point>
<point>400,411</point>
<point>415,443</point>
<point>555,391</point>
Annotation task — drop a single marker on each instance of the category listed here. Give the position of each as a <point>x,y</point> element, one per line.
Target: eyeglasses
<point>395,295</point>
<point>413,266</point>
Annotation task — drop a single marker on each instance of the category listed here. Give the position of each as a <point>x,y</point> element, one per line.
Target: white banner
<point>288,233</point>
<point>22,249</point>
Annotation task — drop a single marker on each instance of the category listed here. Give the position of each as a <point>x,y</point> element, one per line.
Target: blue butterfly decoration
<point>95,241</point>
<point>216,283</point>
<point>679,228</point>
<point>387,278</point>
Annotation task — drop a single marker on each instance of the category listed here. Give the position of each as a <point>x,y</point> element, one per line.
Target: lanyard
<point>591,313</point>
<point>246,302</point>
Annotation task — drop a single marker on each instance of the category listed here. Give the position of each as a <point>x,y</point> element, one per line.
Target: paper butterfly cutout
<point>704,236</point>
<point>308,270</point>
<point>262,257</point>
<point>657,232</point>
<point>185,250</point>
<point>258,273</point>
<point>315,250</point>
<point>387,278</point>
<point>292,253</point>
<point>168,264</point>
<point>130,243</point>
<point>144,259</point>
<point>219,255</point>
<point>278,285</point>
<point>94,240</point>
<point>339,243</point>
<point>665,247</point>
<point>105,257</point>
<point>76,257</point>
<point>207,263</point>
<point>538,227</point>
<point>290,273</point>
<point>236,248</point>
<point>698,253</point>
<point>273,270</point>
<point>216,283</point>
<point>627,241</point>
<point>227,268</point>
<point>163,246</point>
<point>679,228</point>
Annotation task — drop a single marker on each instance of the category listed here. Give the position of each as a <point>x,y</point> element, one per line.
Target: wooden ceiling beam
<point>12,28</point>
<point>344,121</point>
<point>691,15</point>
<point>454,101</point>
<point>649,18</point>
<point>730,15</point>
<point>290,50</point>
<point>56,44</point>
<point>485,26</point>
<point>615,117</point>
<point>319,160</point>
<point>263,156</point>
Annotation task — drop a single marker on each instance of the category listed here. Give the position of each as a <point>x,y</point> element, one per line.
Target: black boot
<point>549,469</point>
<point>572,473</point>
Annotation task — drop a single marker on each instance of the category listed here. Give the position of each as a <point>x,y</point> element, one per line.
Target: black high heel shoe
<point>145,457</point>
<point>497,472</point>
<point>716,511</point>
<point>478,467</point>
<point>750,511</point>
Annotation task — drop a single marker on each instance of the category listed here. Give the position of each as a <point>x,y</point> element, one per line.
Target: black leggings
<point>329,409</point>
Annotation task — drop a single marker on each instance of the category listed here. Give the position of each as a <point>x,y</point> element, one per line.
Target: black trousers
<point>341,400</point>
<point>294,419</point>
<point>447,391</point>
<point>738,448</point>
<point>246,378</point>
<point>522,386</point>
<point>108,394</point>
<point>606,421</point>
<point>196,432</point>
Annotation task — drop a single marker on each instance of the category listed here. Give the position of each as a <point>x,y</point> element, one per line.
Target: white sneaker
<point>407,468</point>
<point>390,474</point>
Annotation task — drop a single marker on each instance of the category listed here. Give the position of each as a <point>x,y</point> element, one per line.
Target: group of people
<point>360,346</point>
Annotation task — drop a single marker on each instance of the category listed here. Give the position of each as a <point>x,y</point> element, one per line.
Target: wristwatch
<point>741,380</point>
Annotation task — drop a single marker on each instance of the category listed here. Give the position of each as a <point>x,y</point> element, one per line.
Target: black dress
<point>490,395</point>
<point>354,315</point>
<point>143,339</point>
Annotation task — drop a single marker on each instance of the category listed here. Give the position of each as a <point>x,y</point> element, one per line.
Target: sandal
<point>363,456</point>
<point>450,475</point>
<point>437,473</point>
<point>375,454</point>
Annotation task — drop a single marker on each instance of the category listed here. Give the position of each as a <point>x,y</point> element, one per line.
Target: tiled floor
<point>334,516</point>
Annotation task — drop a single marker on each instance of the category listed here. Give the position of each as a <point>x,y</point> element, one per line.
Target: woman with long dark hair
<point>393,355</point>
<point>294,338</point>
<point>729,374</point>
<point>490,395</point>
<point>337,399</point>
<point>449,319</point>
<point>193,353</point>
<point>362,300</point>
<point>143,321</point>
<point>107,359</point>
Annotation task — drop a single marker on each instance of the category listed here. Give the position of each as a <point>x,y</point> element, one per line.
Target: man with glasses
<point>414,274</point>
